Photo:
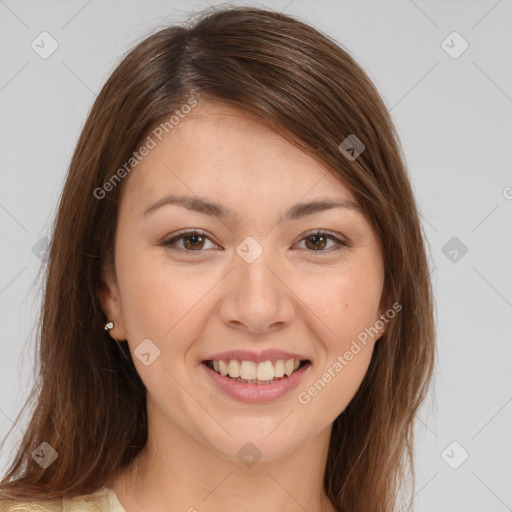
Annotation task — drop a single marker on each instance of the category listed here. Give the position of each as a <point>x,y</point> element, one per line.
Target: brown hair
<point>90,402</point>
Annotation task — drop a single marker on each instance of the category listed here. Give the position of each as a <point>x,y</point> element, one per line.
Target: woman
<point>238,312</point>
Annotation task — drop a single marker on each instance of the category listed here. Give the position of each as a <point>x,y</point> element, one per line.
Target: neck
<point>176,469</point>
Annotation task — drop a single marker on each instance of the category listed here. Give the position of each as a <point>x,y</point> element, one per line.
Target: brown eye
<point>317,242</point>
<point>192,241</point>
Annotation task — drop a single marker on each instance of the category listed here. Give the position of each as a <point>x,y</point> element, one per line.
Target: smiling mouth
<point>250,372</point>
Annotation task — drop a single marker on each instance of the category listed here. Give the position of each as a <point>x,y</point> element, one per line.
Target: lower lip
<point>257,393</point>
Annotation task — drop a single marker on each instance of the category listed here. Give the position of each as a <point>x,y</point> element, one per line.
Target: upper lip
<point>249,355</point>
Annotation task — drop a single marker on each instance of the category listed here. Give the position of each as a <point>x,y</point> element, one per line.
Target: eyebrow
<point>200,205</point>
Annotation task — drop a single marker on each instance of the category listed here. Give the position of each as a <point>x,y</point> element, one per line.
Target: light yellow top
<point>104,500</point>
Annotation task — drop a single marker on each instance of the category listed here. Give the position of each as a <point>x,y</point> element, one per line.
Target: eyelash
<point>341,243</point>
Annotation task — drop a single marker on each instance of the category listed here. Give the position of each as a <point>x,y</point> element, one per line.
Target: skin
<point>191,305</point>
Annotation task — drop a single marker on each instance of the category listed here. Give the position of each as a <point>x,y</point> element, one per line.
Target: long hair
<point>90,404</point>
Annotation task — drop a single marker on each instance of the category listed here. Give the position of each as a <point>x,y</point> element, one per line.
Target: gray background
<point>453,116</point>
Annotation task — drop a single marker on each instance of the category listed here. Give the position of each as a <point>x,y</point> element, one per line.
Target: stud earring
<point>108,327</point>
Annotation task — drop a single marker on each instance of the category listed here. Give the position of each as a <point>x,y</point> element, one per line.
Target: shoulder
<point>31,506</point>
<point>103,499</point>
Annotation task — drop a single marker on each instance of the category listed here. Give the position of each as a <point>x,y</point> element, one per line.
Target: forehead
<point>218,151</point>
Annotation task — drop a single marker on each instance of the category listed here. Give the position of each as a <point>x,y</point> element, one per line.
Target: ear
<point>108,295</point>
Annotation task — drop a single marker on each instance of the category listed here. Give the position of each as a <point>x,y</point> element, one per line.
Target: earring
<point>108,327</point>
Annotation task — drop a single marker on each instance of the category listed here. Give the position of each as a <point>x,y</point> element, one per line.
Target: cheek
<point>344,318</point>
<point>346,308</point>
<point>327,395</point>
<point>162,301</point>
<point>345,303</point>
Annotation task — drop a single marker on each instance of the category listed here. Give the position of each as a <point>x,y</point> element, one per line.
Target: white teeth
<point>248,370</point>
<point>223,368</point>
<point>279,368</point>
<point>265,371</point>
<point>234,368</point>
<point>288,367</point>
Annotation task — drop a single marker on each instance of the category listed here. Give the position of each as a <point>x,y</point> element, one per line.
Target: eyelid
<point>338,239</point>
<point>323,232</point>
<point>167,242</point>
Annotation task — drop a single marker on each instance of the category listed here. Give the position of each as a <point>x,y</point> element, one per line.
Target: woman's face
<point>256,284</point>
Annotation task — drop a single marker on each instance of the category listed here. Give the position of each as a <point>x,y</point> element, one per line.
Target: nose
<point>256,298</point>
